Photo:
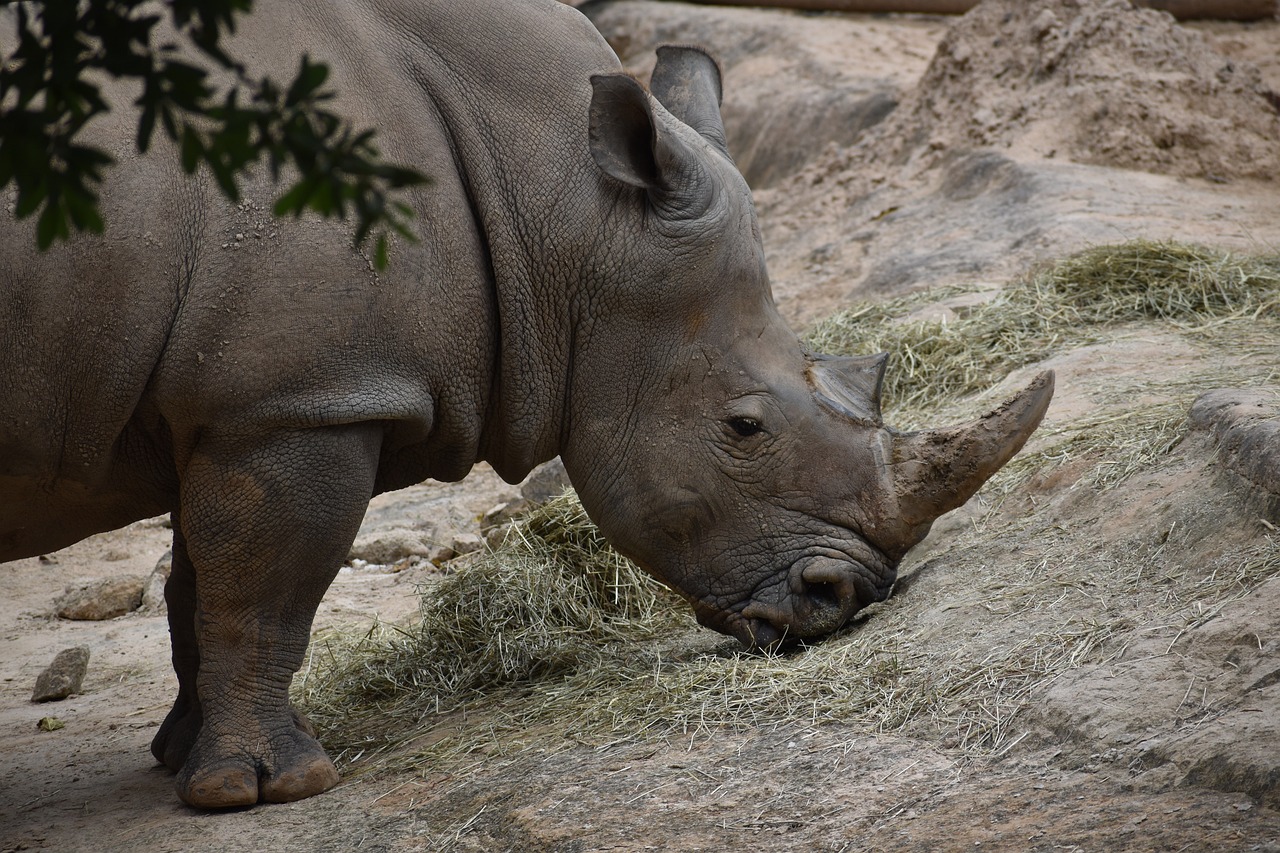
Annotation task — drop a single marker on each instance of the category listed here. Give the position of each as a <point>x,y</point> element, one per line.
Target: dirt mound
<point>1098,82</point>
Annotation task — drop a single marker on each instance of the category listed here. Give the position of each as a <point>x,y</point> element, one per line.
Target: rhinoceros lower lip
<point>757,633</point>
<point>752,633</point>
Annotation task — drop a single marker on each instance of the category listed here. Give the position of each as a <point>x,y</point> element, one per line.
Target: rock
<point>153,592</point>
<point>466,543</point>
<point>62,677</point>
<point>769,94</point>
<point>105,599</point>
<point>547,481</point>
<point>390,545</point>
<point>502,514</point>
<point>1246,425</point>
<point>495,536</point>
<point>440,554</point>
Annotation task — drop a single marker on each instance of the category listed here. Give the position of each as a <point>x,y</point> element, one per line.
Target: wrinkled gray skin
<point>590,282</point>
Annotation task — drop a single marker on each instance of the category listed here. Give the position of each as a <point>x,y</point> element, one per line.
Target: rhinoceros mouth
<point>820,593</point>
<point>753,633</point>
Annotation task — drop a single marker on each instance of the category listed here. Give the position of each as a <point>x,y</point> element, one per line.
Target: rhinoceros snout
<point>822,594</point>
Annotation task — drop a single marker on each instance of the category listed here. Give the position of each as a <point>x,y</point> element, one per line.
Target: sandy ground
<point>857,206</point>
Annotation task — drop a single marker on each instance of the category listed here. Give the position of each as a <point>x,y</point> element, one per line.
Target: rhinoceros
<point>589,282</point>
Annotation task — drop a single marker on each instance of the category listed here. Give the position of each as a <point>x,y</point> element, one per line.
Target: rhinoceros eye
<point>745,427</point>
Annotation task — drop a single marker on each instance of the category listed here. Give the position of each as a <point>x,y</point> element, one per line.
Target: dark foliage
<point>47,97</point>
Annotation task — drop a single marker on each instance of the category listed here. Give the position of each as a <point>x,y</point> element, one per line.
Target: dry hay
<point>551,639</point>
<point>550,598</point>
<point>1075,302</point>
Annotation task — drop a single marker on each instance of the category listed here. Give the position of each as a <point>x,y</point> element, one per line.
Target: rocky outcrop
<point>1245,423</point>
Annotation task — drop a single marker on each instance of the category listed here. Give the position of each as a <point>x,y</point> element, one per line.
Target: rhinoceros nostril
<point>763,626</point>
<point>823,595</point>
<point>830,582</point>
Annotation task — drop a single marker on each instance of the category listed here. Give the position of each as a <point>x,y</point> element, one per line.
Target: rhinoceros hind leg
<point>177,734</point>
<point>172,743</point>
<point>180,728</point>
<point>266,526</point>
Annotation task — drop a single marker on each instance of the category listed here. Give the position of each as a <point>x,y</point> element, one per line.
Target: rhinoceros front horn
<point>935,471</point>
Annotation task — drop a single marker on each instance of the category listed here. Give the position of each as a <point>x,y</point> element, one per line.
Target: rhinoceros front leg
<point>265,524</point>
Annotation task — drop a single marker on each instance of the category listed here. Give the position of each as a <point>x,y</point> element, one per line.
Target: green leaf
<point>193,150</point>
<point>295,200</point>
<point>52,224</point>
<point>83,209</point>
<point>226,178</point>
<point>30,199</point>
<point>146,126</point>
<point>311,76</point>
<point>49,78</point>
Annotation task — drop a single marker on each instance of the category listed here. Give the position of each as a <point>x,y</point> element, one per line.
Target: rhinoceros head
<point>752,476</point>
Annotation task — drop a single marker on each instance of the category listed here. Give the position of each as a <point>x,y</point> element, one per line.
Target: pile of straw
<point>1075,302</point>
<point>552,598</point>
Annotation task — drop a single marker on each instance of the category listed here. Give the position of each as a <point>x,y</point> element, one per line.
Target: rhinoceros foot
<point>177,735</point>
<point>221,773</point>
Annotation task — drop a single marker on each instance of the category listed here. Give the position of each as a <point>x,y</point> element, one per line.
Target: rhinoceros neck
<point>516,116</point>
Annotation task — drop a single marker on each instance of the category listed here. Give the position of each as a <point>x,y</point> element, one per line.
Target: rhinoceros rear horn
<point>686,81</point>
<point>935,471</point>
<point>850,385</point>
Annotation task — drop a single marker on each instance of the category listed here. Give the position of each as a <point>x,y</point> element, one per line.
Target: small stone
<point>547,481</point>
<point>495,536</point>
<point>439,553</point>
<point>62,677</point>
<point>50,724</point>
<point>105,599</point>
<point>1044,23</point>
<point>502,514</point>
<point>466,543</point>
<point>386,547</point>
<point>153,592</point>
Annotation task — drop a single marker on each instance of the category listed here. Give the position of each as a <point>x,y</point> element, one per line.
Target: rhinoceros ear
<point>623,134</point>
<point>686,81</point>
<point>850,385</point>
<point>635,141</point>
